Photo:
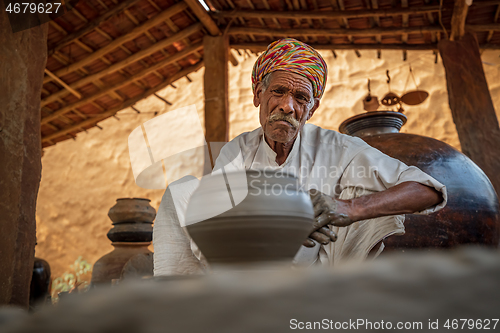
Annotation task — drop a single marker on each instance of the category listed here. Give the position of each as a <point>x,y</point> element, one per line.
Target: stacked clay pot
<point>131,234</point>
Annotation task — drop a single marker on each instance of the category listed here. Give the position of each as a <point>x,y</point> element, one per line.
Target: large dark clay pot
<point>472,215</point>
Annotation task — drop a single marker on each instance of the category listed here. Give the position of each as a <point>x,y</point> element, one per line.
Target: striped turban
<point>289,54</point>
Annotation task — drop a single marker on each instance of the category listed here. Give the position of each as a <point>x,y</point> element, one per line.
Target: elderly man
<point>349,181</point>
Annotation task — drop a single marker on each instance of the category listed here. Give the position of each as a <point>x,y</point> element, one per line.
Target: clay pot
<point>132,220</point>
<point>268,224</point>
<point>40,283</point>
<point>110,266</point>
<point>472,214</point>
<point>132,210</point>
<point>131,234</point>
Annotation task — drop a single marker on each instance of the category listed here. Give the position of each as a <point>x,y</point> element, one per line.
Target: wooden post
<point>23,56</point>
<point>471,104</point>
<point>216,88</point>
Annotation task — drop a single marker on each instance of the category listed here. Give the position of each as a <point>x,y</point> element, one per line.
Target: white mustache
<point>281,116</point>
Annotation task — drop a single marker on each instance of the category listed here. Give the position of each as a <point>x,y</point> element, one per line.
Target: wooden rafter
<point>490,33</point>
<point>137,31</point>
<point>125,104</point>
<point>322,14</point>
<point>332,32</point>
<point>345,25</point>
<point>127,61</point>
<point>120,84</point>
<point>207,22</point>
<point>62,83</point>
<point>405,18</point>
<point>355,32</point>
<point>458,19</point>
<point>259,47</point>
<point>92,25</point>
<point>204,18</point>
<point>482,27</point>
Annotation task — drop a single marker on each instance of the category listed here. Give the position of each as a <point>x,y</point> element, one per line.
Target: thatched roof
<point>106,55</point>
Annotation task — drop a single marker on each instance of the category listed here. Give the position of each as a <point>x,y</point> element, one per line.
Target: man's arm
<point>405,198</point>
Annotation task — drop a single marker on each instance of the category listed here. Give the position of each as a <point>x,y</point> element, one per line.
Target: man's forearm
<point>404,198</point>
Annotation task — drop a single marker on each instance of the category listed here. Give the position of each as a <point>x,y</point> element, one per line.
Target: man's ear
<point>311,112</point>
<point>257,92</point>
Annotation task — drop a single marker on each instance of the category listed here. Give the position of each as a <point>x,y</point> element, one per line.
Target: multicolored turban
<point>289,54</point>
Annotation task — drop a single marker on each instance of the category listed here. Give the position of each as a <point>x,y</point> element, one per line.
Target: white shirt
<point>336,164</point>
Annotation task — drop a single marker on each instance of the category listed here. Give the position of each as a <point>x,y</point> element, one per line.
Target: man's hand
<point>326,211</point>
<point>404,198</point>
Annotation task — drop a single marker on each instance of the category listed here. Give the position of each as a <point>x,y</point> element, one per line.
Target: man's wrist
<point>351,208</point>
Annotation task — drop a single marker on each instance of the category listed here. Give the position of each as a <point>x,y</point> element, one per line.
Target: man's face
<point>285,105</point>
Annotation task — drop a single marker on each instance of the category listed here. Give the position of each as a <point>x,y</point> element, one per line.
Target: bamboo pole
<point>125,104</point>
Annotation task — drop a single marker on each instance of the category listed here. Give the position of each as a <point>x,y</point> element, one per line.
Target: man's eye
<point>302,99</point>
<point>278,91</point>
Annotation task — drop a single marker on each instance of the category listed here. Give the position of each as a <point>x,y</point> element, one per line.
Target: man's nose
<point>286,104</point>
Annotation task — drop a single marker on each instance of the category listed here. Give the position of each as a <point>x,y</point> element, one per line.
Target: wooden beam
<point>345,25</point>
<point>125,104</point>
<point>331,32</point>
<point>471,105</point>
<point>127,61</point>
<point>208,23</point>
<point>355,32</point>
<point>123,39</point>
<point>62,83</point>
<point>458,18</point>
<point>203,16</point>
<point>405,17</point>
<point>259,47</point>
<point>490,33</point>
<point>482,27</point>
<point>322,14</point>
<point>215,50</point>
<point>92,25</point>
<point>120,84</point>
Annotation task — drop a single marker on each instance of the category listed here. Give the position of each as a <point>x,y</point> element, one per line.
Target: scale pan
<point>414,97</point>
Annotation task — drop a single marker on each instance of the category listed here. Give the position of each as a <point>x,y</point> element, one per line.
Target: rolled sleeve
<point>373,170</point>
